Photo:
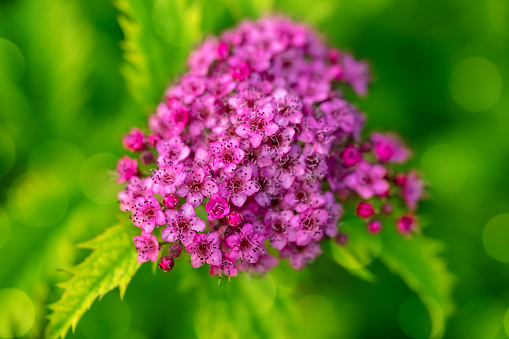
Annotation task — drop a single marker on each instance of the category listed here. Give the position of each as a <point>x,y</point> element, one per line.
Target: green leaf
<point>112,264</point>
<point>418,263</point>
<point>415,259</point>
<point>158,38</point>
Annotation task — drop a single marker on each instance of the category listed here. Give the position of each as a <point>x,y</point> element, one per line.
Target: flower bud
<point>146,157</point>
<point>406,224</point>
<point>175,249</point>
<point>341,238</point>
<point>166,263</point>
<point>235,219</point>
<point>364,209</point>
<point>170,200</point>
<point>374,226</point>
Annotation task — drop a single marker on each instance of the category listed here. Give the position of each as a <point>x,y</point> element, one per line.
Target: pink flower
<point>239,69</point>
<point>134,141</point>
<point>147,214</point>
<point>412,190</point>
<point>258,126</point>
<point>389,148</point>
<point>246,245</point>
<point>226,267</point>
<point>356,74</point>
<point>127,168</point>
<point>135,188</point>
<point>217,207</point>
<point>334,213</point>
<point>351,156</point>
<point>300,256</point>
<point>227,154</point>
<point>308,226</point>
<point>205,249</point>
<point>196,186</point>
<point>147,247</point>
<point>182,225</point>
<point>277,228</point>
<point>301,197</point>
<point>167,179</point>
<point>171,118</point>
<point>367,180</point>
<point>171,151</point>
<point>237,185</point>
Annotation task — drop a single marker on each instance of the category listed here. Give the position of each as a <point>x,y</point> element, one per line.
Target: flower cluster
<point>259,140</point>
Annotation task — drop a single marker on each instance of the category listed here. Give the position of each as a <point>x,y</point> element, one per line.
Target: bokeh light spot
<point>15,107</point>
<point>37,199</point>
<point>496,238</point>
<point>59,158</point>
<point>177,21</point>
<point>12,62</point>
<point>17,313</point>
<point>97,179</point>
<point>260,292</point>
<point>506,322</point>
<point>414,319</point>
<point>5,228</point>
<point>498,12</point>
<point>475,84</point>
<point>111,317</point>
<point>445,167</point>
<point>7,153</point>
<point>318,314</point>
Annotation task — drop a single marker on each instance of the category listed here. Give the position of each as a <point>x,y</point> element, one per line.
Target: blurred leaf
<point>112,263</point>
<point>416,260</point>
<point>351,262</point>
<point>418,263</point>
<point>150,60</point>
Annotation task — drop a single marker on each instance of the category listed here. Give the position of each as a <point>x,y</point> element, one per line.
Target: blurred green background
<point>67,96</point>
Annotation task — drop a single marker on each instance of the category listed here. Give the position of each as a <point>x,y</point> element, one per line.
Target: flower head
<point>259,133</point>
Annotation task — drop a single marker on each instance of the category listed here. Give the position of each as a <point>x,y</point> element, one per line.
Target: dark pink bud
<point>225,231</point>
<point>146,157</point>
<point>374,226</point>
<point>364,209</point>
<point>153,139</point>
<point>366,146</point>
<point>235,219</point>
<point>175,249</point>
<point>134,141</point>
<point>387,208</point>
<point>351,156</point>
<point>400,179</point>
<point>166,263</point>
<point>334,55</point>
<point>222,50</point>
<point>406,224</point>
<point>341,238</point>
<point>170,200</point>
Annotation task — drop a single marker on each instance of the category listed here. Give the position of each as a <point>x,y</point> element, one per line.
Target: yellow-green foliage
<point>112,264</point>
